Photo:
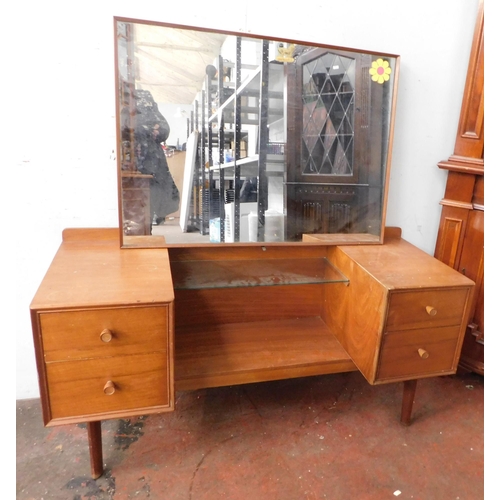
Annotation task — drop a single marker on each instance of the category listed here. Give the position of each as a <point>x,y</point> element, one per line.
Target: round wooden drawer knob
<point>106,335</point>
<point>431,311</point>
<point>109,388</point>
<point>423,353</point>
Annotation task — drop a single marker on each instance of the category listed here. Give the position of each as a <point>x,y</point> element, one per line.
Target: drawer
<point>421,352</point>
<point>103,332</point>
<point>77,388</point>
<point>135,194</point>
<point>424,309</point>
<point>136,183</point>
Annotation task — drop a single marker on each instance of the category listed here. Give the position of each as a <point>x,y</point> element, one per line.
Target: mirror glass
<point>230,138</point>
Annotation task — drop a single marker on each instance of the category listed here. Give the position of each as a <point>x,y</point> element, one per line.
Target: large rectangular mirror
<point>231,138</point>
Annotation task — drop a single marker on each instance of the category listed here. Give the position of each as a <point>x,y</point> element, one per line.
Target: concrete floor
<point>333,437</point>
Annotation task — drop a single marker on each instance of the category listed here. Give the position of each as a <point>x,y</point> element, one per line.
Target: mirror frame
<point>153,241</point>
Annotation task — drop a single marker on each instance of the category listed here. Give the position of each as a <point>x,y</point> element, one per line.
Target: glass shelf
<point>199,274</point>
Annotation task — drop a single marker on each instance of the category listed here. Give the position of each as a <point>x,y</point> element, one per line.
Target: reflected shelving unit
<point>239,168</point>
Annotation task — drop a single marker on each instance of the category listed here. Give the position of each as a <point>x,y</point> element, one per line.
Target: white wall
<point>58,142</point>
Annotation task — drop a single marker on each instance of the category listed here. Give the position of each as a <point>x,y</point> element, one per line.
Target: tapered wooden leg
<point>409,388</point>
<point>95,448</point>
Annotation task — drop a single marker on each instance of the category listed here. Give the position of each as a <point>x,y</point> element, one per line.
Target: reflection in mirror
<point>227,138</point>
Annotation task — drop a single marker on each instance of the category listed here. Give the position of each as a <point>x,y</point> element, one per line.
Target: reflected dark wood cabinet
<point>460,242</point>
<point>335,142</point>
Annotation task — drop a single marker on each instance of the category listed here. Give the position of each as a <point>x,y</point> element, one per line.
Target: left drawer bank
<point>103,330</point>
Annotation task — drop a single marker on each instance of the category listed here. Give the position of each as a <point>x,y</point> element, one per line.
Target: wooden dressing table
<point>117,331</point>
<point>295,135</point>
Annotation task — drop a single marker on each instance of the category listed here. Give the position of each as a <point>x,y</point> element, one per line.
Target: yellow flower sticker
<point>380,71</point>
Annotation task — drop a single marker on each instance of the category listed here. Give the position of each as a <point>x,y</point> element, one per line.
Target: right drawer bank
<point>403,314</point>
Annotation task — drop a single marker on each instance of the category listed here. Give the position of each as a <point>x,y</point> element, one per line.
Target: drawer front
<point>70,335</point>
<point>89,387</point>
<point>414,353</point>
<point>135,194</point>
<point>424,309</point>
<point>136,183</point>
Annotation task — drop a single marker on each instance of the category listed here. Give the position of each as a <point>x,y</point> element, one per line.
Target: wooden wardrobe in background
<point>460,241</point>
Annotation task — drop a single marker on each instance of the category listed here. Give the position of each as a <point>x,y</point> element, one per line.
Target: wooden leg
<point>410,386</point>
<point>95,448</point>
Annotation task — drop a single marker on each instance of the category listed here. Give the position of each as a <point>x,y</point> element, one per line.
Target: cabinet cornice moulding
<point>456,204</point>
<point>473,166</point>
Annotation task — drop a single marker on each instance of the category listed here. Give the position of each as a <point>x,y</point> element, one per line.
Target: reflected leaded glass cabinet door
<point>337,143</point>
<point>327,123</point>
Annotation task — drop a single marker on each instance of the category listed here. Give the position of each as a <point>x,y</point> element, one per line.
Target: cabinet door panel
<point>451,235</point>
<point>472,265</point>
